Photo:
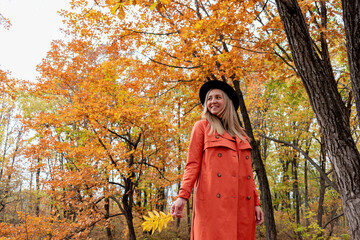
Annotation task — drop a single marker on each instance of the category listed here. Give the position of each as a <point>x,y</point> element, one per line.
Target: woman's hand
<point>177,208</point>
<point>259,215</point>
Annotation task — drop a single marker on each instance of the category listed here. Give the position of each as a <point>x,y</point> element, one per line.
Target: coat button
<point>249,177</point>
<point>219,154</point>
<point>219,174</point>
<point>217,136</point>
<point>248,198</point>
<point>247,157</point>
<point>218,195</point>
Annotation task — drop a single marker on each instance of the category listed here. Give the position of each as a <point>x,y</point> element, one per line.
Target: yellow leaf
<point>156,220</point>
<point>151,215</point>
<point>161,224</point>
<point>115,8</point>
<point>153,6</point>
<point>155,225</point>
<point>162,214</point>
<point>156,213</point>
<point>146,226</point>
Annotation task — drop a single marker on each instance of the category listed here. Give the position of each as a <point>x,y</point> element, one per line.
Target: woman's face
<point>215,102</point>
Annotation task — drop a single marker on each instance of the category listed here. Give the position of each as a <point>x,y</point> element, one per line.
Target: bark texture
<point>330,110</point>
<point>351,16</point>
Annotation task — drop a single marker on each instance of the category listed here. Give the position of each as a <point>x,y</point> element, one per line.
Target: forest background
<point>103,132</point>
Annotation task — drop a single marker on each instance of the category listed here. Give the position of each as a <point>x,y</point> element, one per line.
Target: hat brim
<point>222,86</point>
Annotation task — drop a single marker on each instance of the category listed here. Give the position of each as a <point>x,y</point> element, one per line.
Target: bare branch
<point>152,33</point>
<point>173,66</point>
<point>334,218</point>
<point>318,168</point>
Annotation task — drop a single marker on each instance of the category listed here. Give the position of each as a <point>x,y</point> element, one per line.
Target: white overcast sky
<point>35,23</point>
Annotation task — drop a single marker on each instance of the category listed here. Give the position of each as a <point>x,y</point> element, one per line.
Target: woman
<point>226,205</point>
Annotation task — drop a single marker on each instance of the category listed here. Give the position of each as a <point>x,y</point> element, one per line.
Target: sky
<point>35,24</point>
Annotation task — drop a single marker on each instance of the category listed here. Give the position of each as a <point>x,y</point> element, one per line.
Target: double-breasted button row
<point>219,196</point>
<point>233,175</point>
<point>247,157</point>
<point>219,155</point>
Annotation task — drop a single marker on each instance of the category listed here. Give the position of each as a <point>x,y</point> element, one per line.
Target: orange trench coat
<point>225,195</point>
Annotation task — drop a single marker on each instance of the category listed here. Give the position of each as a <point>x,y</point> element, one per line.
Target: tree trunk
<point>296,192</point>
<point>259,169</point>
<point>351,17</point>
<point>127,201</point>
<point>329,109</point>
<point>285,198</point>
<point>179,185</point>
<point>161,202</point>
<point>188,206</point>
<point>321,202</point>
<point>107,216</point>
<point>322,187</point>
<point>37,197</point>
<point>128,197</point>
<point>306,200</point>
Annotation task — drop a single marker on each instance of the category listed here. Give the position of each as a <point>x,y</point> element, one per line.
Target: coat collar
<point>242,144</point>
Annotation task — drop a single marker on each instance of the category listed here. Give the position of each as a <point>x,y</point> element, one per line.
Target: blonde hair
<point>229,120</point>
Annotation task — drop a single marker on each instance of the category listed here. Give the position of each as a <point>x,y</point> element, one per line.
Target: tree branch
<point>115,183</point>
<point>159,170</point>
<point>173,66</point>
<point>152,33</point>
<point>334,218</point>
<point>318,168</point>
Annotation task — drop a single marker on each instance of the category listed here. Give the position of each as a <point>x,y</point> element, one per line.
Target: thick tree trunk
<point>351,16</point>
<point>127,201</point>
<point>107,216</point>
<point>260,170</point>
<point>329,109</point>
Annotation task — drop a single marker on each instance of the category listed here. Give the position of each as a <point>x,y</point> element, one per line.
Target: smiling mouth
<point>214,109</point>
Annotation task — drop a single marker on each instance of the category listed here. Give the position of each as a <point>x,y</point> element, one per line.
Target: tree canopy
<point>103,132</point>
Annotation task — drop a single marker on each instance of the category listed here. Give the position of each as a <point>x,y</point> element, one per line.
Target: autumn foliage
<point>103,133</point>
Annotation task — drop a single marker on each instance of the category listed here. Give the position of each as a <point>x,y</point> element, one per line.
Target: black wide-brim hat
<point>226,88</point>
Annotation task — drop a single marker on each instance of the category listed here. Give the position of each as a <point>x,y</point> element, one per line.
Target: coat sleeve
<point>256,196</point>
<point>194,157</point>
